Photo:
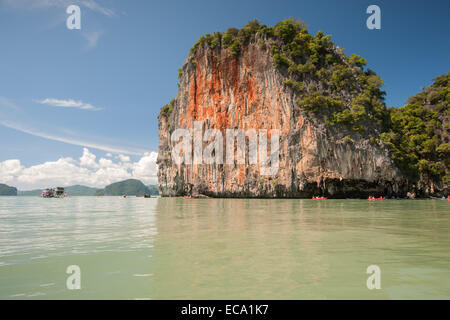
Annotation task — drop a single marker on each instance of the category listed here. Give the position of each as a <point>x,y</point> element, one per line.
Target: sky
<point>81,106</point>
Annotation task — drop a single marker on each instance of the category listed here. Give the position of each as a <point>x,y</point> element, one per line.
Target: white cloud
<point>9,169</point>
<point>94,6</point>
<point>70,103</point>
<point>92,38</point>
<point>37,133</point>
<point>88,159</point>
<point>13,117</point>
<point>87,171</point>
<point>45,4</point>
<point>7,103</point>
<point>123,158</point>
<point>146,166</point>
<point>105,163</point>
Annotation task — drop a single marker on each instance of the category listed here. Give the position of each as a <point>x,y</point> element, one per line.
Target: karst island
<point>335,135</point>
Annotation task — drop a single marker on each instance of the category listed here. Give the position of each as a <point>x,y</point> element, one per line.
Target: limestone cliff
<point>256,80</point>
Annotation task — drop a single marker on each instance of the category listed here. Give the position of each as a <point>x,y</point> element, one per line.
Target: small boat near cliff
<point>319,198</point>
<point>375,199</point>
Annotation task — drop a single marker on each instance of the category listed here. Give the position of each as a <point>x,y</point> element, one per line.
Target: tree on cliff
<point>419,135</point>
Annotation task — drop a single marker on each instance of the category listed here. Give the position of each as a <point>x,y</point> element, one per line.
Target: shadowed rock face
<point>247,92</point>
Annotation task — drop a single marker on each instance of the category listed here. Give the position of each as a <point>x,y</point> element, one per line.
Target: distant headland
<point>6,190</point>
<point>130,187</point>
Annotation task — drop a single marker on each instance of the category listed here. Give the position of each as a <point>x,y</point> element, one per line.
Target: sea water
<point>175,248</point>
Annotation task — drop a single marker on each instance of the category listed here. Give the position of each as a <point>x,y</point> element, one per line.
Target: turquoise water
<point>171,248</point>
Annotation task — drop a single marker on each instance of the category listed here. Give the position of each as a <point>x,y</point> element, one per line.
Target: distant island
<point>6,190</point>
<point>76,190</point>
<point>130,187</point>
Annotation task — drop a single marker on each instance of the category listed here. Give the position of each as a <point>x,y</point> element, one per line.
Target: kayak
<point>374,199</point>
<point>319,198</point>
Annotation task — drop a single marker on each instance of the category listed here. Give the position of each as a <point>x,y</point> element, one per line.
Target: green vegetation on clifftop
<point>419,135</point>
<point>328,84</point>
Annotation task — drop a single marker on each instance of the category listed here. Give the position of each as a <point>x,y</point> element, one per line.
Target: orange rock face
<point>223,92</point>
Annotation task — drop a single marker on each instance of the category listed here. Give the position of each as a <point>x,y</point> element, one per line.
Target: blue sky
<point>124,63</point>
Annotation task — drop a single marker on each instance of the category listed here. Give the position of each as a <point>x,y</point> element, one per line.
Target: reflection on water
<point>172,248</point>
